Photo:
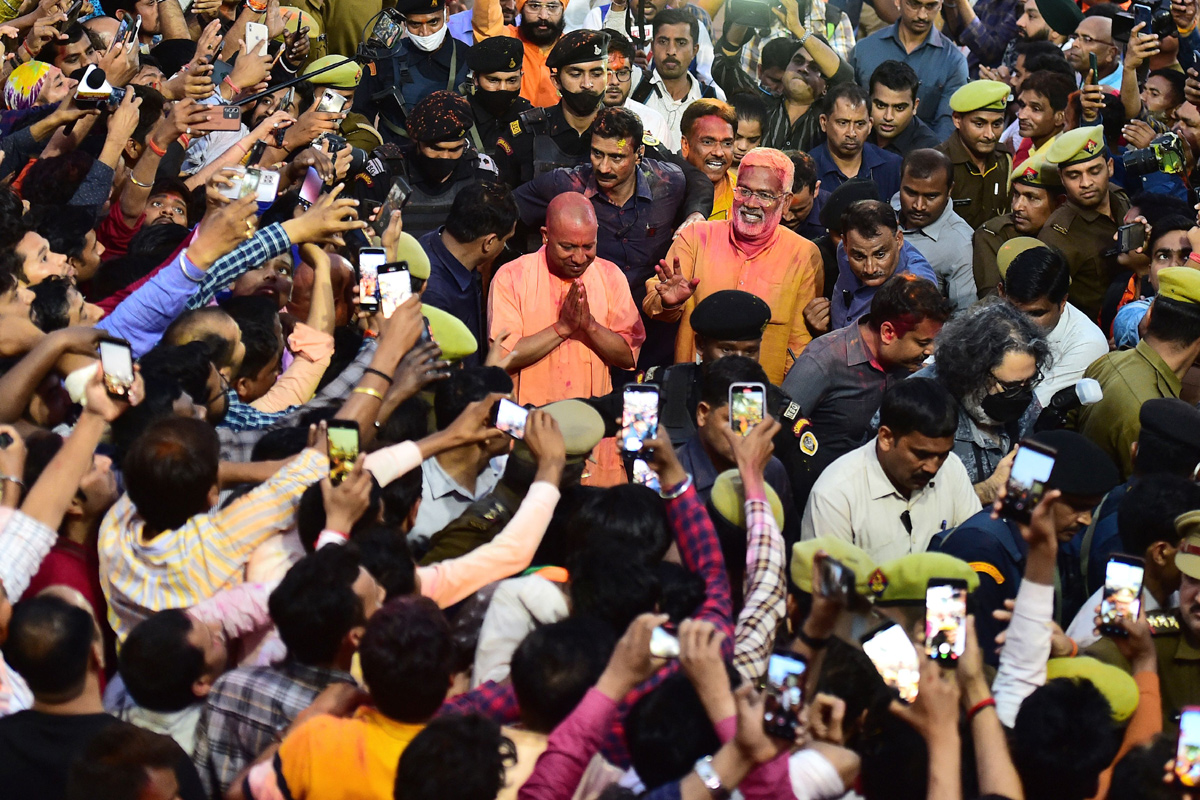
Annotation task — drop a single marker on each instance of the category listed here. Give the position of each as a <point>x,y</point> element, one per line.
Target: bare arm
<point>533,348</point>
<point>320,312</point>
<point>615,351</point>
<point>171,21</point>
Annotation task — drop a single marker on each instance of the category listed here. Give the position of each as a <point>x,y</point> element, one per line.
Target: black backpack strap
<point>644,87</point>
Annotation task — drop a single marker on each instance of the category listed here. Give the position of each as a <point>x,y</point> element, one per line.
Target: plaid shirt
<point>245,417</point>
<point>238,444</point>
<point>267,243</point>
<point>765,592</point>
<point>245,710</point>
<point>838,32</point>
<point>700,552</point>
<point>24,542</point>
<point>989,34</point>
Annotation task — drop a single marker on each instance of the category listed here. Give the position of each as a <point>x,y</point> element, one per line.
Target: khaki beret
<point>452,336</point>
<point>409,250</point>
<point>980,96</point>
<point>1117,685</point>
<point>1076,146</point>
<point>346,76</point>
<point>903,581</point>
<point>1179,283</point>
<point>728,498</point>
<point>852,557</point>
<point>1013,248</point>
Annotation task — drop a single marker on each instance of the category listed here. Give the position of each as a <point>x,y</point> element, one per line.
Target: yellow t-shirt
<point>723,197</point>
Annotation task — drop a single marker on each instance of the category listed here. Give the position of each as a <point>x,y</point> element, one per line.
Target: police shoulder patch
<point>503,145</point>
<point>488,163</point>
<point>649,139</point>
<point>808,444</point>
<point>984,568</point>
<point>877,582</point>
<point>1162,623</point>
<point>515,127</point>
<point>375,167</point>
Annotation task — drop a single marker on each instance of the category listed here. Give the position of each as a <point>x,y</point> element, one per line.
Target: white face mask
<point>431,42</point>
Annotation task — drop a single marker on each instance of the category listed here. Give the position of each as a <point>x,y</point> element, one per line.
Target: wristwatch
<point>709,777</point>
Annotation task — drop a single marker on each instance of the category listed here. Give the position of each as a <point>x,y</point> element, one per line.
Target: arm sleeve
<point>1144,725</point>
<point>313,351</point>
<point>810,287</point>
<point>142,317</point>
<point>24,542</point>
<point>764,591</point>
<point>700,552</point>
<point>267,243</point>
<point>504,311</point>
<point>728,73</point>
<point>569,749</point>
<point>389,463</point>
<point>1026,649</point>
<point>487,19</point>
<point>943,121</point>
<point>961,281</point>
<point>239,611</point>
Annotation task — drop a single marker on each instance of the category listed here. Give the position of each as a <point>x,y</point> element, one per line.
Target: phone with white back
<point>256,38</point>
<point>331,101</point>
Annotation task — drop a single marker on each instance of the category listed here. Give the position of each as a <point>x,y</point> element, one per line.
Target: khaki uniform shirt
<point>1128,378</point>
<point>989,238</point>
<point>1086,238</point>
<point>978,196</point>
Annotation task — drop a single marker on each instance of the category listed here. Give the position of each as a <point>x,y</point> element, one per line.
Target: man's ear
<point>822,120</point>
<point>684,148</point>
<point>75,507</point>
<point>887,440</point>
<point>214,495</point>
<point>703,409</point>
<point>411,518</point>
<point>545,236</point>
<point>354,636</point>
<point>887,333</point>
<point>133,149</point>
<point>242,387</point>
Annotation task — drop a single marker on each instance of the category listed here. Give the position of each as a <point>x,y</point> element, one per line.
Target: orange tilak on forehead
<point>617,61</point>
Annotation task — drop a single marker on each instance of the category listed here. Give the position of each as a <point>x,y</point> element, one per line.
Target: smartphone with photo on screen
<point>747,402</point>
<point>1122,596</point>
<point>395,286</point>
<point>786,675</point>
<point>946,620</point>
<point>342,436</point>
<point>1187,753</point>
<point>644,476</point>
<point>509,418</point>
<point>310,190</point>
<point>639,416</point>
<point>895,658</point>
<point>1031,469</point>
<point>370,259</point>
<point>116,359</point>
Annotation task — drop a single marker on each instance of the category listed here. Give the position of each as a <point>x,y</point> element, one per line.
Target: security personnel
<point>1155,368</point>
<point>1176,633</point>
<point>1083,228</point>
<point>434,166</point>
<point>996,550</point>
<point>898,587</point>
<point>424,61</point>
<point>582,428</point>
<point>344,80</point>
<point>494,89</point>
<point>1035,195</point>
<point>981,166</point>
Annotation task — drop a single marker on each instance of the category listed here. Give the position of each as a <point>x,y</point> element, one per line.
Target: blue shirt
<point>456,290</point>
<point>939,63</point>
<point>851,299</point>
<point>877,164</point>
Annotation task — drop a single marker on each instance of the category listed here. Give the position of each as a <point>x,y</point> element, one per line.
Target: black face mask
<point>1005,407</point>
<point>435,169</point>
<point>497,102</point>
<point>582,103</point>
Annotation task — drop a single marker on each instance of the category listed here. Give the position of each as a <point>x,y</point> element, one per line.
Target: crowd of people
<point>548,399</point>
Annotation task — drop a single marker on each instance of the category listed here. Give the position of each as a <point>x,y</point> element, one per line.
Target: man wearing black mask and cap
<point>425,60</point>
<point>434,166</point>
<point>494,89</point>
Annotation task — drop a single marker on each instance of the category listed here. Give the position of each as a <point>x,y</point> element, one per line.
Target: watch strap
<point>708,776</point>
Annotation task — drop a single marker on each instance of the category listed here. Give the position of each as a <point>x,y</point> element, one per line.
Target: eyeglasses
<point>536,7</point>
<point>766,198</point>
<point>623,75</point>
<point>1085,39</point>
<point>918,6</point>
<point>1012,387</point>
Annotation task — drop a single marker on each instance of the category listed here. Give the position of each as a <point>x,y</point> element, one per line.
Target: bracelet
<point>1194,256</point>
<point>12,479</point>
<point>676,491</point>
<point>136,182</point>
<point>1074,649</point>
<point>379,374</point>
<point>368,390</point>
<point>989,702</point>
<point>158,151</point>
<point>232,85</point>
<point>185,141</point>
<point>812,643</point>
<point>25,44</point>
<point>807,35</point>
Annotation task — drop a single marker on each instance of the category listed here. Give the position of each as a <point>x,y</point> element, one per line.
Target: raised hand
<point>674,288</point>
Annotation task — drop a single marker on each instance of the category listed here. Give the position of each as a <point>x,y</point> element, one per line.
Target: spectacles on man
<point>623,75</point>
<point>766,198</point>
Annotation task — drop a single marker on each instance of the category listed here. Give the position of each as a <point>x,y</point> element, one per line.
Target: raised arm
<point>22,380</point>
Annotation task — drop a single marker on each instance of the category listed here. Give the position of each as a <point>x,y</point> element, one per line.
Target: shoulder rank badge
<point>515,126</point>
<point>877,582</point>
<point>1059,228</point>
<point>1162,623</point>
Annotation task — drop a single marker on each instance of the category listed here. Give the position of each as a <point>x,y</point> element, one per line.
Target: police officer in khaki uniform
<point>981,165</point>
<point>343,80</point>
<point>494,89</point>
<point>1155,368</point>
<point>1035,195</point>
<point>1083,228</point>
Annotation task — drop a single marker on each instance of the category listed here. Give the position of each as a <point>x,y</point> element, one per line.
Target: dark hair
<point>315,606</point>
<point>40,448</point>
<point>620,43</point>
<point>906,301</point>
<point>479,209</point>
<point>281,444</point>
<point>668,731</point>
<point>117,273</point>
<point>869,218</point>
<point>619,123</point>
<point>1040,55</point>
<point>777,54</point>
<point>170,469</point>
<point>256,317</point>
<point>1054,86</point>
<point>53,180</point>
<point>926,162</point>
<point>150,113</point>
<point>919,404</point>
<point>717,376</point>
<point>1173,321</point>
<point>408,423</point>
<point>157,404</point>
<point>64,227</point>
<point>51,306</point>
<point>115,764</point>
<point>1157,207</point>
<point>1156,453</point>
<point>1177,81</point>
<point>187,364</point>
<point>1037,272</point>
<point>310,514</point>
<point>465,386</point>
<point>555,665</point>
<point>406,654</point>
<point>49,645</point>
<point>1064,737</point>
<point>459,756</point>
<point>159,664</point>
<point>1139,773</point>
<point>12,267</point>
<point>1148,510</point>
<point>804,170</point>
<point>749,106</point>
<point>706,107</point>
<point>193,326</point>
<point>897,76</point>
<point>676,16</point>
<point>976,340</point>
<point>895,759</point>
<point>384,552</point>
<point>1171,223</point>
<point>611,584</point>
<point>73,33</point>
<point>850,91</point>
<point>629,514</point>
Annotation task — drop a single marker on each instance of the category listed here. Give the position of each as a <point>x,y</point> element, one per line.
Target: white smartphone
<point>256,38</point>
<point>116,359</point>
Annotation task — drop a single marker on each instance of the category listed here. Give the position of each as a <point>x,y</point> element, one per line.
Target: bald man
<point>565,317</point>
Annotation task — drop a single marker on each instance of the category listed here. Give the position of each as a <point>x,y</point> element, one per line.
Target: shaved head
<point>570,235</point>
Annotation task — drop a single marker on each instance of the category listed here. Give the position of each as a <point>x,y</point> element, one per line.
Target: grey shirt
<point>946,245</point>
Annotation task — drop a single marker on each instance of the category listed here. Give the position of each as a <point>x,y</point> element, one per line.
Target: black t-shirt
<point>36,751</point>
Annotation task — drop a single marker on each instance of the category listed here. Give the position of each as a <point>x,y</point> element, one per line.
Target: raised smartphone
<point>395,286</point>
<point>1031,469</point>
<point>644,476</point>
<point>370,259</point>
<point>510,418</point>
<point>1187,754</point>
<point>663,644</point>
<point>785,695</point>
<point>331,101</point>
<point>639,416</point>
<point>837,580</point>
<point>1130,237</point>
<point>116,359</point>
<point>1122,597</point>
<point>747,402</point>
<point>310,190</point>
<point>343,448</point>
<point>895,658</point>
<point>256,38</point>
<point>946,620</point>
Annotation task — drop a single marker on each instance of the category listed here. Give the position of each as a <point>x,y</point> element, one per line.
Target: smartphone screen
<point>395,286</point>
<point>1027,482</point>
<point>116,359</point>
<point>370,259</point>
<point>945,620</point>
<point>639,416</point>
<point>746,404</point>
<point>644,476</point>
<point>122,29</point>
<point>343,449</point>
<point>1122,598</point>
<point>331,101</point>
<point>510,418</point>
<point>837,580</point>
<point>396,197</point>
<point>895,658</point>
<point>663,643</point>
<point>310,190</point>
<point>785,696</point>
<point>386,30</point>
<point>1187,756</point>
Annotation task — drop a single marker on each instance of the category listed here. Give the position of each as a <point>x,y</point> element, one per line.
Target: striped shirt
<point>181,567</point>
<point>765,592</point>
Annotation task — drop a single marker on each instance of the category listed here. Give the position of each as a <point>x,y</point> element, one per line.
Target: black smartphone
<point>639,416</point>
<point>1027,481</point>
<point>1122,25</point>
<point>1187,753</point>
<point>509,417</point>
<point>946,620</point>
<point>747,406</point>
<point>837,580</point>
<point>395,286</point>
<point>256,153</point>
<point>895,658</point>
<point>342,436</point>
<point>1144,14</point>
<point>1130,237</point>
<point>1122,597</point>
<point>116,359</point>
<point>1093,65</point>
<point>784,699</point>
<point>370,259</point>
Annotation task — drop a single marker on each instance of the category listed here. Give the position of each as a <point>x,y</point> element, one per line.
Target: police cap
<point>842,198</point>
<point>441,117</point>
<point>731,315</point>
<point>1013,248</point>
<point>1035,171</point>
<point>578,47</point>
<point>1063,16</point>
<point>294,18</point>
<point>854,558</point>
<point>346,75</point>
<point>980,96</point>
<point>409,250</point>
<point>406,7</point>
<point>1076,146</point>
<point>1081,468</point>
<point>496,54</point>
<point>581,425</point>
<point>728,499</point>
<point>1179,283</point>
<point>453,337</point>
<point>903,581</point>
<point>1174,420</point>
<point>1117,685</point>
